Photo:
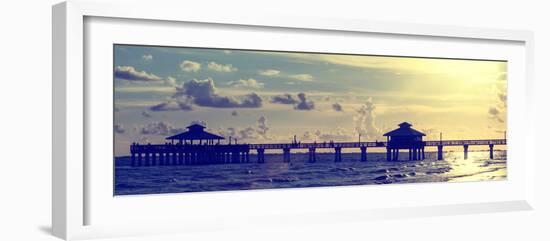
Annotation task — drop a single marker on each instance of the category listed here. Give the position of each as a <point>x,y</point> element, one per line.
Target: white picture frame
<point>72,191</point>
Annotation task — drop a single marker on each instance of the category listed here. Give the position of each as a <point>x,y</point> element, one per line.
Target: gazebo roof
<point>404,130</point>
<point>195,132</point>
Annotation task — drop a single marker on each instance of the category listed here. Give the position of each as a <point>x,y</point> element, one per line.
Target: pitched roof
<point>196,126</point>
<point>196,132</point>
<point>203,135</point>
<point>404,130</point>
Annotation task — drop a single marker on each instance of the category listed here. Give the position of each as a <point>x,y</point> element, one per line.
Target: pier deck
<point>183,154</point>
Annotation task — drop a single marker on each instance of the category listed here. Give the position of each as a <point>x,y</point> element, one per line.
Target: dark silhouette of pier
<point>198,147</point>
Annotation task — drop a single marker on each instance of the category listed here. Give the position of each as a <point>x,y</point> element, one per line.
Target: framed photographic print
<point>205,121</point>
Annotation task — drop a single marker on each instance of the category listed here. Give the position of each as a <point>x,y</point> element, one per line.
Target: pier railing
<point>178,154</point>
<point>372,144</point>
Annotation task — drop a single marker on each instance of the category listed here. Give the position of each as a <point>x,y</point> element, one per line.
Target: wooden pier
<point>186,152</point>
<point>176,154</point>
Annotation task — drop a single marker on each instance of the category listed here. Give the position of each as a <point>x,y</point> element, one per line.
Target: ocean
<point>274,173</point>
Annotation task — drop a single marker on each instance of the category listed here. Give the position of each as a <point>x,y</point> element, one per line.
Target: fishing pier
<point>198,147</point>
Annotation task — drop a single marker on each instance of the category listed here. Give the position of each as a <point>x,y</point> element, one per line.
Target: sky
<point>270,97</point>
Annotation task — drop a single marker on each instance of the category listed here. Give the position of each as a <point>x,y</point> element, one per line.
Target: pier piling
<point>465,152</point>
<point>337,154</point>
<point>363,153</point>
<point>312,157</point>
<point>261,158</point>
<point>286,155</point>
<point>491,151</point>
<point>440,152</point>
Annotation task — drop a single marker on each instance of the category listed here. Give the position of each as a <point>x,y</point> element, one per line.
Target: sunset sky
<point>260,97</point>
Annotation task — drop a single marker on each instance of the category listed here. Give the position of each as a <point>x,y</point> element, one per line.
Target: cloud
<point>170,81</point>
<point>146,114</point>
<point>286,99</point>
<point>160,128</point>
<point>495,114</point>
<point>119,128</point>
<point>246,83</point>
<point>190,66</point>
<point>131,74</point>
<point>300,103</point>
<point>339,134</point>
<point>248,133</point>
<point>263,128</point>
<point>365,120</point>
<point>204,93</point>
<point>302,77</point>
<point>147,57</point>
<point>173,104</point>
<point>337,107</point>
<point>269,72</point>
<point>303,103</point>
<point>431,133</point>
<point>498,110</point>
<point>221,67</point>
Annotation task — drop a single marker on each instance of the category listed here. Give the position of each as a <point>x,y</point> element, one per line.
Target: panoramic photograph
<point>190,119</point>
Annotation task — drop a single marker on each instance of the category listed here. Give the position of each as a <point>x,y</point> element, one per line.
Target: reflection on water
<point>299,173</point>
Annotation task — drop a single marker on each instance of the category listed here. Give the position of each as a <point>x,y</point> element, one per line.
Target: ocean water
<point>299,173</point>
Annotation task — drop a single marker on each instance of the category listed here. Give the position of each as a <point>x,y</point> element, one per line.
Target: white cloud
<point>246,83</point>
<point>147,57</point>
<point>221,67</point>
<point>171,81</point>
<point>131,74</point>
<point>302,77</point>
<point>190,66</point>
<point>269,72</point>
<point>160,128</point>
<point>365,120</point>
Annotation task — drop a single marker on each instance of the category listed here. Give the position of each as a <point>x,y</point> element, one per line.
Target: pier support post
<point>337,154</point>
<point>363,153</point>
<point>147,159</point>
<point>396,154</point>
<point>312,157</point>
<point>439,152</point>
<point>161,158</point>
<point>187,158</point>
<point>236,157</point>
<point>423,154</point>
<point>410,154</point>
<point>261,155</point>
<point>133,159</point>
<point>465,152</point>
<point>286,155</point>
<point>139,159</point>
<point>491,151</point>
<point>153,158</point>
<point>415,153</point>
<point>388,154</point>
<point>247,156</point>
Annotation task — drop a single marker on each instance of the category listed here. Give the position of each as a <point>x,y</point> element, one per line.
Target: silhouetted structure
<point>195,132</point>
<point>196,147</point>
<point>407,138</point>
